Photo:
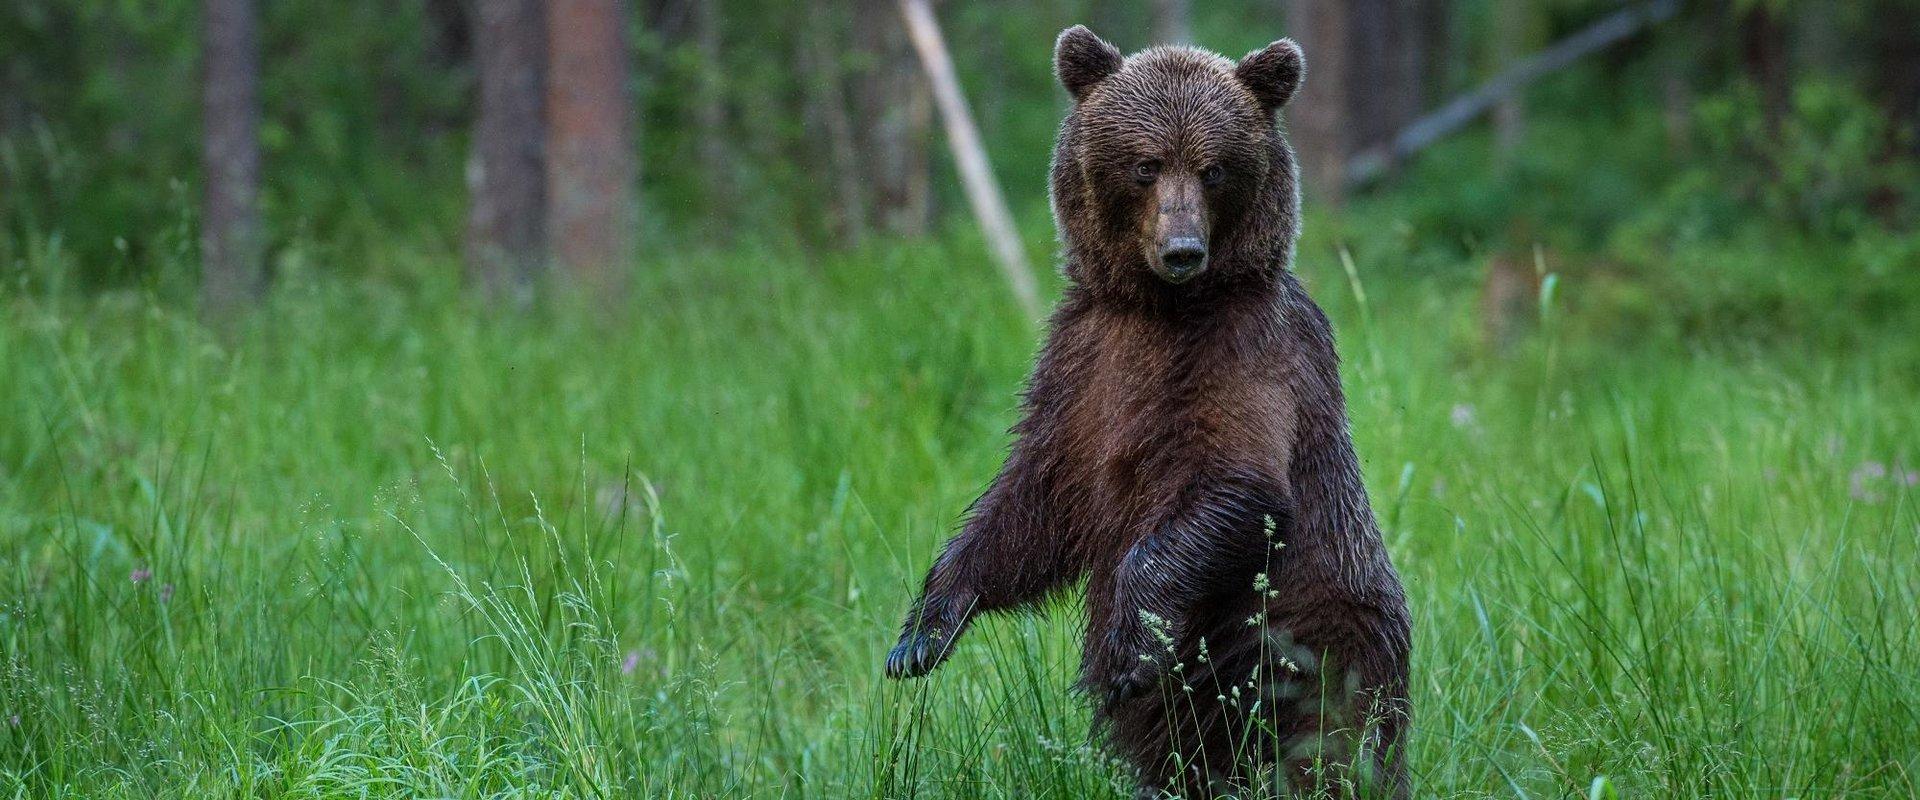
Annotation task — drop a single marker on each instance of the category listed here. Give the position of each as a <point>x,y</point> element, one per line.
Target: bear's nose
<point>1183,257</point>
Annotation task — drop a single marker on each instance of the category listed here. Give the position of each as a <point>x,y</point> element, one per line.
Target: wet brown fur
<point>1164,424</point>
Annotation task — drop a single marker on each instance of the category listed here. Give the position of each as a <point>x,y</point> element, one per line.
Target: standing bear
<point>1184,447</point>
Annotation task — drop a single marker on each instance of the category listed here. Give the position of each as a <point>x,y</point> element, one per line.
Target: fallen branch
<point>983,191</point>
<point>1456,114</point>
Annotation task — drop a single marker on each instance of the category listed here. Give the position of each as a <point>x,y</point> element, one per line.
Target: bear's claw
<point>1132,683</point>
<point>917,654</point>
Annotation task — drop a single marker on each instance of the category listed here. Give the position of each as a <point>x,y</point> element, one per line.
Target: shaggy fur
<point>1184,447</point>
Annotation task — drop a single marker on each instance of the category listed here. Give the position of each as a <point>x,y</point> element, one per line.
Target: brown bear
<point>1184,447</point>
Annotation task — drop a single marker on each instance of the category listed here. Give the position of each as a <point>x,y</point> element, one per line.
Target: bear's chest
<point>1148,417</point>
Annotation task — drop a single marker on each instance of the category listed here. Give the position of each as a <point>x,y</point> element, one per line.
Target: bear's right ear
<point>1273,72</point>
<point>1082,59</point>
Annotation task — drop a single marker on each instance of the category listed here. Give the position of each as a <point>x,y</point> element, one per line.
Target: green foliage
<point>1826,171</point>
<point>97,116</point>
<point>363,126</point>
<point>365,121</point>
<point>366,106</point>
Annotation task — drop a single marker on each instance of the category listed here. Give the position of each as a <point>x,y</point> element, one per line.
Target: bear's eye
<point>1212,175</point>
<point>1146,171</point>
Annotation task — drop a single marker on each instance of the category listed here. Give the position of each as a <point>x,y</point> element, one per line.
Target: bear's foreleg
<point>1211,539</point>
<point>1004,557</point>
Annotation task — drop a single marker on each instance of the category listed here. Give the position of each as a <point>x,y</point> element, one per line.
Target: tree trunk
<point>1370,91</point>
<point>231,241</point>
<point>1437,28</point>
<point>449,32</point>
<point>915,209</point>
<point>1763,53</point>
<point>821,52</point>
<point>1172,22</point>
<point>1895,57</point>
<point>592,165</point>
<point>892,97</point>
<point>1387,62</point>
<point>710,107</point>
<point>983,190</point>
<point>1403,80</point>
<point>1679,59</point>
<point>506,167</point>
<point>1320,118</point>
<point>1512,30</point>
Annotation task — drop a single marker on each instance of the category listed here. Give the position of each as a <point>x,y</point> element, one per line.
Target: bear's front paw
<point>1134,666</point>
<point>919,651</point>
<point>1136,681</point>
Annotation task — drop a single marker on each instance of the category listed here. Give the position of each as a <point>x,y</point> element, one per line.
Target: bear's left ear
<point>1273,72</point>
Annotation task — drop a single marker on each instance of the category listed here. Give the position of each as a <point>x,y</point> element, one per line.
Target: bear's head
<point>1170,176</point>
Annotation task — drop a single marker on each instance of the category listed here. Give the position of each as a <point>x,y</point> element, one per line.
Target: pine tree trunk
<point>506,167</point>
<point>1371,96</point>
<point>1895,56</point>
<point>1387,64</point>
<point>1409,38</point>
<point>1512,30</point>
<point>231,241</point>
<point>592,164</point>
<point>1679,57</point>
<point>1437,27</point>
<point>1320,119</point>
<point>822,52</point>
<point>892,99</point>
<point>1764,56</point>
<point>710,109</point>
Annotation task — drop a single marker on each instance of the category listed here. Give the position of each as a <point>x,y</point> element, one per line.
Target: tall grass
<point>384,543</point>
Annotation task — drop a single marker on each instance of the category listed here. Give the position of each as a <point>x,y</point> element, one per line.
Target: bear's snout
<point>1182,258</point>
<point>1179,238</point>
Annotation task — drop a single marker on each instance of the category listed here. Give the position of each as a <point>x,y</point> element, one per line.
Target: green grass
<point>379,543</point>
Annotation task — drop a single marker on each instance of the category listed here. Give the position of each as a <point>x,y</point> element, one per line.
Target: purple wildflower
<point>140,575</point>
<point>1863,483</point>
<point>166,592</point>
<point>633,661</point>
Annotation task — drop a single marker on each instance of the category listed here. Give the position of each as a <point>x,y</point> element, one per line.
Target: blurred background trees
<point>230,154</point>
<point>518,134</point>
<point>507,164</point>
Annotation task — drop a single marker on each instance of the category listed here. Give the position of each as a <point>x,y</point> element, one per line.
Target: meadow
<point>378,540</point>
